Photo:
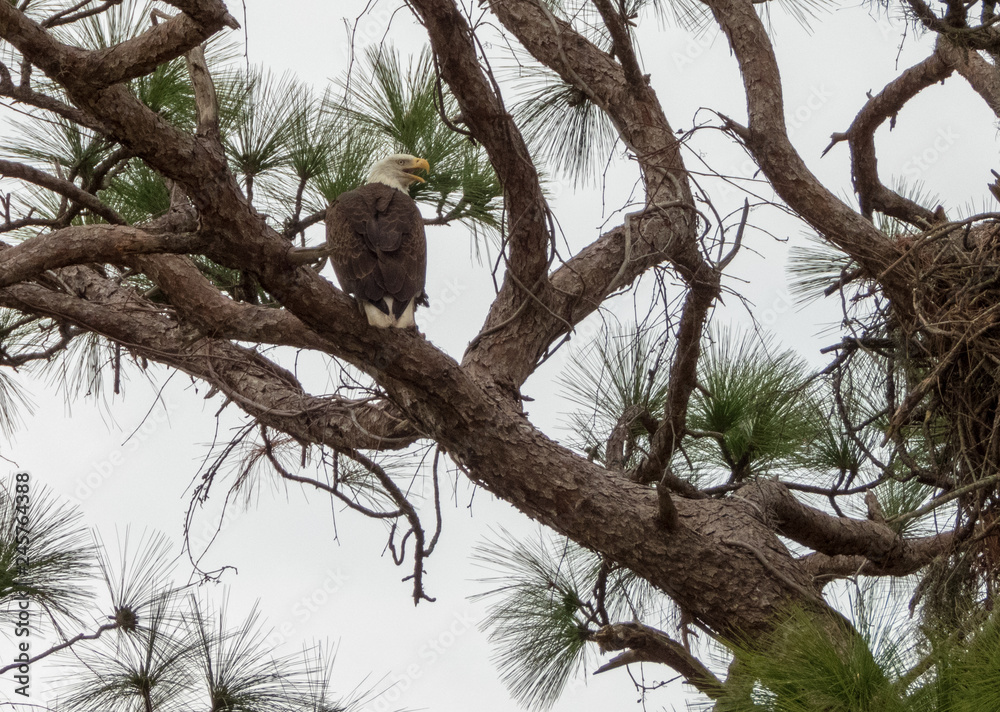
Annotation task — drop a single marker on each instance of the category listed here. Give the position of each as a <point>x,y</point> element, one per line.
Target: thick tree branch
<point>981,75</point>
<point>260,387</point>
<point>487,436</point>
<point>622,45</point>
<point>831,535</point>
<point>497,447</point>
<point>529,223</point>
<point>767,140</point>
<point>201,304</point>
<point>664,230</point>
<point>631,105</point>
<point>206,12</point>
<point>87,243</point>
<point>487,118</point>
<point>120,114</point>
<point>101,68</point>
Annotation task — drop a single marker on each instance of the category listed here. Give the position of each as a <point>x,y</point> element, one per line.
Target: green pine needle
<point>814,267</point>
<point>137,193</point>
<point>624,367</point>
<point>801,668</point>
<point>536,622</point>
<point>753,398</point>
<point>50,535</point>
<point>401,109</point>
<point>566,130</point>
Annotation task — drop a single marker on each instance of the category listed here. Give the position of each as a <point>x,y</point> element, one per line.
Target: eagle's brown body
<point>375,236</point>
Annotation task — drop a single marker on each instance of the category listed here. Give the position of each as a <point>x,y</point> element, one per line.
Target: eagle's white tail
<point>377,317</point>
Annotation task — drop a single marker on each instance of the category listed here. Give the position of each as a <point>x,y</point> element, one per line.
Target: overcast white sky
<point>311,586</point>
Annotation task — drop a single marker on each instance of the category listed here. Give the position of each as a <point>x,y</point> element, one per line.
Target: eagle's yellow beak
<point>417,164</point>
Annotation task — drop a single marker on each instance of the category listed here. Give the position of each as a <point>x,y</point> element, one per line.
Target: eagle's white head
<point>397,171</point>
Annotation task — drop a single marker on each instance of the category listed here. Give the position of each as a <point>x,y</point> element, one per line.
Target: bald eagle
<point>375,237</point>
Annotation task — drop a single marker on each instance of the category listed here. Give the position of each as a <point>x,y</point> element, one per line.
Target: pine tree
<point>721,507</point>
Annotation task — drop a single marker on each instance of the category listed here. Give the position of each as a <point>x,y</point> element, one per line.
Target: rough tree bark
<point>721,559</point>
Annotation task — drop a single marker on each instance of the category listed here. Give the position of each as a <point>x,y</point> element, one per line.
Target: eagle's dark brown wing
<point>377,245</point>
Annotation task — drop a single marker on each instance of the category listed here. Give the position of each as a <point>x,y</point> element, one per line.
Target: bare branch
<point>767,140</point>
<point>701,296</point>
<point>981,75</point>
<point>66,188</point>
<point>76,12</point>
<point>646,644</point>
<point>420,552</point>
<point>63,645</point>
<point>872,194</point>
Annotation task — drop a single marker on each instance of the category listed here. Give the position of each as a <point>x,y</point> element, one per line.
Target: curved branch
<point>664,230</point>
<point>529,230</point>
<point>262,388</point>
<point>12,169</point>
<point>407,509</point>
<point>872,194</point>
<point>75,13</point>
<point>646,644</point>
<point>981,75</point>
<point>767,140</point>
<point>87,243</point>
<point>121,115</point>
<point>201,304</point>
<point>119,63</point>
<point>831,535</point>
<point>630,103</point>
<point>486,117</point>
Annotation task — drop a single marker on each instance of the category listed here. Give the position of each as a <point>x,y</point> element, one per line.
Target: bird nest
<point>946,310</point>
